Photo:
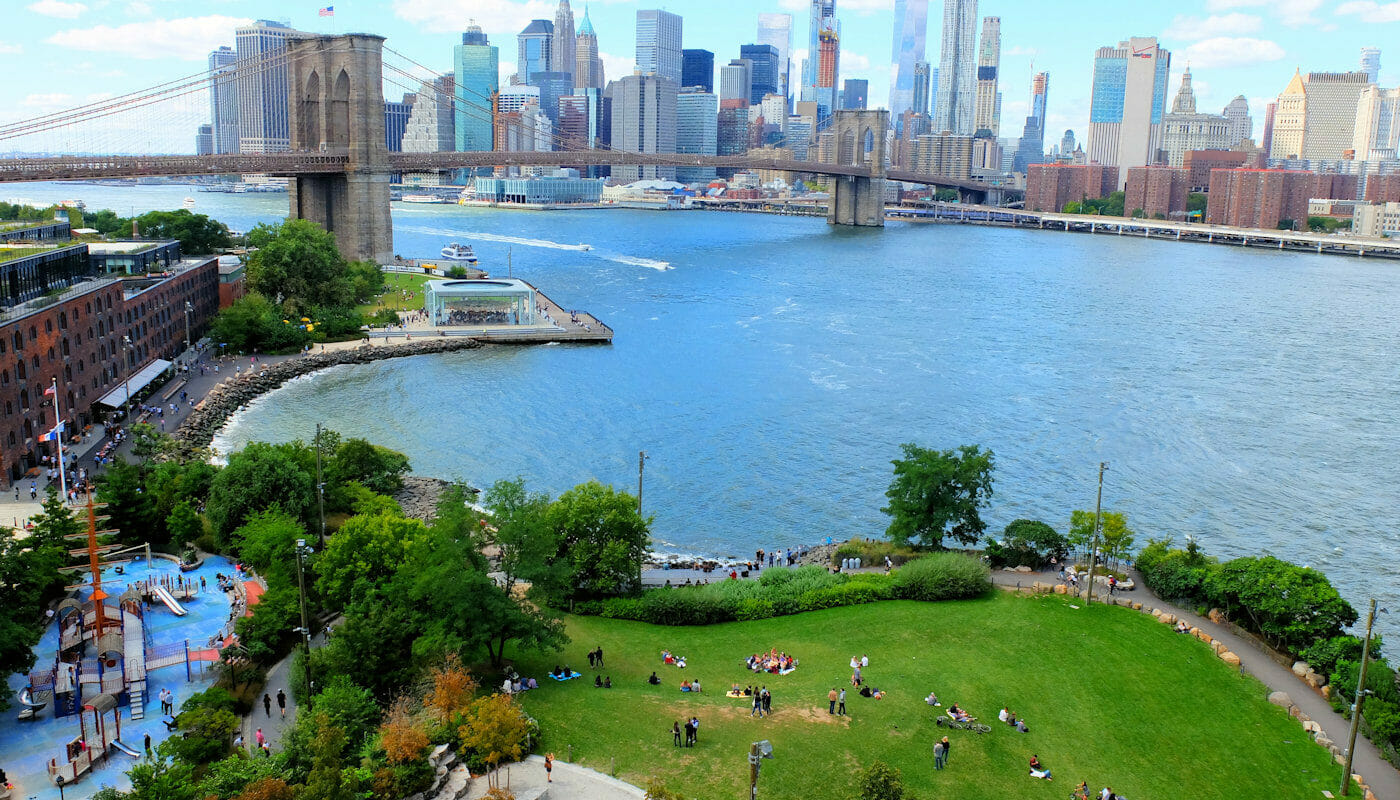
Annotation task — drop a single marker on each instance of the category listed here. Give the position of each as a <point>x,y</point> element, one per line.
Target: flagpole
<point>58,434</point>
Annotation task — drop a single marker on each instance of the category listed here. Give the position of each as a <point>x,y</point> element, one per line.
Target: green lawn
<point>394,283</point>
<point>1111,696</point>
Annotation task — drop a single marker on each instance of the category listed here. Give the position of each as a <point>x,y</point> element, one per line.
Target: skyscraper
<point>909,48</point>
<point>1316,116</point>
<point>564,46</point>
<point>736,81</point>
<point>1184,130</point>
<point>396,121</point>
<point>644,121</point>
<point>476,68</point>
<point>223,99</point>
<point>1031,149</point>
<point>698,69</point>
<point>855,94</point>
<point>1241,123</point>
<point>697,115</point>
<point>588,64</point>
<point>776,30</point>
<point>923,84</point>
<point>987,116</point>
<point>1377,131</point>
<point>204,140</point>
<point>820,12</point>
<point>957,69</point>
<point>765,70</point>
<point>1371,63</point>
<point>263,125</point>
<point>1128,102</point>
<point>430,123</point>
<point>659,44</point>
<point>1266,140</point>
<point>534,50</point>
<point>828,67</point>
<point>553,85</point>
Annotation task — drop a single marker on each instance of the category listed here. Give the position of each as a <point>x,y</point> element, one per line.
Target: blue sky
<point>72,51</point>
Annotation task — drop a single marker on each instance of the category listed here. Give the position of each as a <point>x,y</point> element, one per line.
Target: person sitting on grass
<point>653,680</point>
<point>932,699</point>
<point>1021,726</point>
<point>667,657</point>
<point>958,714</point>
<point>1039,771</point>
<point>685,686</point>
<point>1010,718</point>
<point>1182,627</point>
<point>597,681</point>
<point>607,682</point>
<point>1003,714</point>
<point>680,662</point>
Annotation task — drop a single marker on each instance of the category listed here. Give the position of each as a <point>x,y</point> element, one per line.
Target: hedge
<point>780,591</point>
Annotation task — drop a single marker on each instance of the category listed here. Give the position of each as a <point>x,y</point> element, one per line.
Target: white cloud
<point>855,62</point>
<point>189,38</point>
<point>10,49</point>
<point>862,7</point>
<point>1293,13</point>
<point>1225,51</point>
<point>1018,50</point>
<point>615,67</point>
<point>57,8</point>
<point>51,100</point>
<point>499,15</point>
<point>1371,11</point>
<point>1194,28</point>
<point>507,69</point>
<point>139,9</point>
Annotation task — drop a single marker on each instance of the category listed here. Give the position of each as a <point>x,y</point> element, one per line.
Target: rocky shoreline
<point>214,411</point>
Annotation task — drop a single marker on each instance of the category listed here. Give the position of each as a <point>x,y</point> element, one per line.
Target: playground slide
<point>25,699</point>
<point>170,602</point>
<point>118,744</point>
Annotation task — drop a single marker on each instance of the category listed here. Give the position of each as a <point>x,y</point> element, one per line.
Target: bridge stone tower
<point>860,141</point>
<point>337,106</point>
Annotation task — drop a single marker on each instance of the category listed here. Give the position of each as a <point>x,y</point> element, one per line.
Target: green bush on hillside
<point>872,552</point>
<point>942,576</point>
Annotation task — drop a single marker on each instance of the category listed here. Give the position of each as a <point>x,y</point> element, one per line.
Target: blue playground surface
<point>26,747</point>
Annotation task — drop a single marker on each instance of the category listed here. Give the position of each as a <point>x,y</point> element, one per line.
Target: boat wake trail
<point>659,266</point>
<point>493,237</point>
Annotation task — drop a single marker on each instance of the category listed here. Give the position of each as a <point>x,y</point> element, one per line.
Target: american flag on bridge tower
<point>328,11</point>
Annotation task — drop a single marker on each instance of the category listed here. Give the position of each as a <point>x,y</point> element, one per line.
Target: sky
<point>71,52</point>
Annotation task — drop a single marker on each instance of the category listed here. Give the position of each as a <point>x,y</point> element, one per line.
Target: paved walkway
<point>1380,776</point>
<point>274,725</point>
<point>571,782</point>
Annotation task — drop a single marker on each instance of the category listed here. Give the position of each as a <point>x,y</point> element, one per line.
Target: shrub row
<point>872,552</point>
<point>780,591</point>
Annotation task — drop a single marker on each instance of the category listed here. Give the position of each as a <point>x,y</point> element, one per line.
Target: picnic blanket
<point>567,677</point>
<point>736,694</point>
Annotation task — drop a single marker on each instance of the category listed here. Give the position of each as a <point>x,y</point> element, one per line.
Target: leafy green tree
<point>259,477</point>
<point>327,780</point>
<point>1289,605</point>
<point>348,707</point>
<point>253,323</point>
<point>377,468</point>
<point>198,234</point>
<point>162,778</point>
<point>129,507</point>
<point>207,725</point>
<point>147,442</point>
<point>939,493</point>
<point>523,536</point>
<point>1116,538</point>
<point>184,523</point>
<point>373,646</point>
<point>366,280</point>
<point>602,537</point>
<point>880,781</point>
<point>299,267</point>
<point>1196,203</point>
<point>364,552</point>
<point>226,778</point>
<point>267,634</point>
<point>29,577</point>
<point>1029,542</point>
<point>268,542</point>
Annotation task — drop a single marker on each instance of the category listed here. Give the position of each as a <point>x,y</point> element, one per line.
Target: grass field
<point>394,284</point>
<point>1110,696</point>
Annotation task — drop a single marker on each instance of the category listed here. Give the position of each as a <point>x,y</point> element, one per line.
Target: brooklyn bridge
<point>339,167</point>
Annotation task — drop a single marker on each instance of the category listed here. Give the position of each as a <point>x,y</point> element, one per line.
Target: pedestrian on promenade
<point>940,755</point>
<point>282,702</point>
<point>259,736</point>
<point>841,704</point>
<point>549,768</point>
<point>267,698</point>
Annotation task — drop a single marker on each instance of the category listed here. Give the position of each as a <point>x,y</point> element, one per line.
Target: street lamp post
<point>757,752</point>
<point>1360,696</point>
<point>1098,525</point>
<point>127,349</point>
<point>305,629</point>
<point>641,465</point>
<point>320,488</point>
<point>188,308</point>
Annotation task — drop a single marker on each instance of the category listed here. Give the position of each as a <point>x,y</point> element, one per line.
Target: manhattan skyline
<point>97,49</point>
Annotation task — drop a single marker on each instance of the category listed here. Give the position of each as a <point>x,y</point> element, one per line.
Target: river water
<point>771,367</point>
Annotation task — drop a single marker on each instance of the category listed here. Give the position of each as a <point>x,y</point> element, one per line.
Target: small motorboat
<point>459,253</point>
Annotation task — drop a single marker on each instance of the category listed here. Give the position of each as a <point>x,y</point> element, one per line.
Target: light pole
<point>641,465</point>
<point>320,488</point>
<point>127,349</point>
<point>757,752</point>
<point>188,308</point>
<point>305,629</point>
<point>1098,524</point>
<point>1360,696</point>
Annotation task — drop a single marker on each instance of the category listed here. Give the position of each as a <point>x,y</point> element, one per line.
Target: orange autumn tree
<point>495,728</point>
<point>403,739</point>
<point>450,689</point>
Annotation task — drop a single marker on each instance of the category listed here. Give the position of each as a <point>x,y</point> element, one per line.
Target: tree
<point>364,552</point>
<point>267,789</point>
<point>298,267</point>
<point>880,781</point>
<point>147,442</point>
<point>253,324</point>
<point>1115,537</point>
<point>377,468</point>
<point>162,778</point>
<point>1196,203</point>
<point>450,689</point>
<point>348,707</point>
<point>198,234</point>
<point>403,739</point>
<point>1289,605</point>
<point>522,535</point>
<point>207,725</point>
<point>327,780</point>
<point>268,632</point>
<point>184,523</point>
<point>939,493</point>
<point>495,729</point>
<point>129,507</point>
<point>227,778</point>
<point>259,477</point>
<point>373,646</point>
<point>29,578</point>
<point>603,538</point>
<point>1029,542</point>
<point>268,542</point>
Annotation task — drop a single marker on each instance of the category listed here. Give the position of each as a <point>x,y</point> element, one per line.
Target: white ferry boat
<point>423,198</point>
<point>460,253</point>
<point>189,202</point>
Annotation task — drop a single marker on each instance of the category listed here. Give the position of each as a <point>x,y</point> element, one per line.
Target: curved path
<point>1382,778</point>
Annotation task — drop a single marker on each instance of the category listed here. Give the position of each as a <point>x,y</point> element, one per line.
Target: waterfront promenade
<point>556,325</point>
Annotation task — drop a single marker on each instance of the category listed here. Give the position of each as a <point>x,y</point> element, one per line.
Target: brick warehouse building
<point>1383,188</point>
<point>1199,163</point>
<point>1050,186</point>
<point>1261,198</point>
<point>76,330</point>
<point>1160,192</point>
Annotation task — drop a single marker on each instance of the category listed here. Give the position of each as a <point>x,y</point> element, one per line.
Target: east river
<point>771,366</point>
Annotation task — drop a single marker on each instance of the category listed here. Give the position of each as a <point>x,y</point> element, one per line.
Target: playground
<point>130,631</point>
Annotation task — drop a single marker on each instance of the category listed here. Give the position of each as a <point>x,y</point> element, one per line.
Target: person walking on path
<point>841,704</point>
<point>282,702</point>
<point>940,755</point>
<point>831,701</point>
<point>149,752</point>
<point>267,704</point>
<point>676,733</point>
<point>757,705</point>
<point>947,749</point>
<point>549,768</point>
<point>260,738</point>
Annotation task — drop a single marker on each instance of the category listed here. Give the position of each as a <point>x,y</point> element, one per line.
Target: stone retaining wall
<point>213,412</point>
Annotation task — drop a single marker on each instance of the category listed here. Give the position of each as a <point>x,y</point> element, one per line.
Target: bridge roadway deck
<point>303,163</point>
<point>1298,241</point>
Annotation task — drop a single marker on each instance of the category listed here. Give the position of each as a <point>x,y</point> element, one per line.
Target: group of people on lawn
<point>772,661</point>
